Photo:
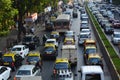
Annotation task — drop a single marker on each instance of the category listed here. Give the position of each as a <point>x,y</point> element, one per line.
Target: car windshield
<point>93,77</point>
<point>33,58</point>
<point>16,49</point>
<point>27,39</point>
<point>68,42</point>
<point>61,65</point>
<point>84,31</point>
<point>84,36</point>
<point>117,35</point>
<point>23,72</point>
<point>7,59</point>
<point>54,36</point>
<point>91,50</point>
<point>94,60</point>
<point>50,41</point>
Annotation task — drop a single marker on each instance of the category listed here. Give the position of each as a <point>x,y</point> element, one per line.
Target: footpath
<point>12,36</point>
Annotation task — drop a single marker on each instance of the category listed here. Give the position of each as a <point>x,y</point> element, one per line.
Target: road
<point>48,65</point>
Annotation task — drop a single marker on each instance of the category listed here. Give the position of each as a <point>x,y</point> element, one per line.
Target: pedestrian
<point>32,30</point>
<point>39,65</point>
<point>44,38</point>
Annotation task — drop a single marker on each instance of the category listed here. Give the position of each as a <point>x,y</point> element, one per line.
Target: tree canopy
<point>7,13</point>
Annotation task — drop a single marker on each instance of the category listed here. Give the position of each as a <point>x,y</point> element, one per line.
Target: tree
<point>7,13</point>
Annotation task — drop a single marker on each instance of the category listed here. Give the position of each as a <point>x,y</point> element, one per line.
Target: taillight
<point>15,78</point>
<point>12,64</point>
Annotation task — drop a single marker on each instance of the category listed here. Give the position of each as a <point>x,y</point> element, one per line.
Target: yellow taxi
<point>69,41</point>
<point>49,52</point>
<point>89,42</point>
<point>95,59</point>
<point>33,58</point>
<point>60,64</point>
<point>12,60</point>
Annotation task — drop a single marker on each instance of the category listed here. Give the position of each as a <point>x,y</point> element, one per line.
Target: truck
<point>91,73</point>
<point>70,52</point>
<point>32,78</point>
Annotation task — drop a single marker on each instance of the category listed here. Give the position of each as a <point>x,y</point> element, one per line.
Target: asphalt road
<point>48,65</point>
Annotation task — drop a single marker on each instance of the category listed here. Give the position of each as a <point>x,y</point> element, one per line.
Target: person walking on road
<point>39,65</point>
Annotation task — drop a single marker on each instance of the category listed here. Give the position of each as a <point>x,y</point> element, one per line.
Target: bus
<point>62,23</point>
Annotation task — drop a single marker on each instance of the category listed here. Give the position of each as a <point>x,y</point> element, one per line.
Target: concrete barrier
<point>114,74</point>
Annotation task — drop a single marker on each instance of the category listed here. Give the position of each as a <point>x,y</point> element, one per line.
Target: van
<point>91,73</point>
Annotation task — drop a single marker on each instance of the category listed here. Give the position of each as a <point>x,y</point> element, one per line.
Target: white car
<point>53,41</point>
<point>82,37</point>
<point>70,34</point>
<point>84,25</point>
<point>5,73</point>
<point>115,37</point>
<point>88,31</point>
<point>22,50</point>
<point>27,71</point>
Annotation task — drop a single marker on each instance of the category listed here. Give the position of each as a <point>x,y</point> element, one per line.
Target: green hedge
<point>110,49</point>
<point>4,33</point>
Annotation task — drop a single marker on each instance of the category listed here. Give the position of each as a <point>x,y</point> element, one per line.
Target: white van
<point>92,73</point>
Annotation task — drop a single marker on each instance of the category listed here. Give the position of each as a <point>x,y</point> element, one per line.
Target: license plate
<point>6,63</point>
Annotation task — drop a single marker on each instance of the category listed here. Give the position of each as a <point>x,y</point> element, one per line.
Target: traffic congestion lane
<point>76,28</point>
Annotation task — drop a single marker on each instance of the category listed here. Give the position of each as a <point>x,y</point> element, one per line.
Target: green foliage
<point>7,13</point>
<point>110,49</point>
<point>4,33</point>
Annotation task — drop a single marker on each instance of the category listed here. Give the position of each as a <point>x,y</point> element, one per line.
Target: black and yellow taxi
<point>12,60</point>
<point>49,52</point>
<point>69,41</point>
<point>95,59</point>
<point>89,42</point>
<point>33,58</point>
<point>61,64</point>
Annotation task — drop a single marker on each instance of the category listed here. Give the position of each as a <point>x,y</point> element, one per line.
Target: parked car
<point>27,71</point>
<point>12,60</point>
<point>5,73</point>
<point>108,29</point>
<point>31,41</point>
<point>22,50</point>
<point>115,38</point>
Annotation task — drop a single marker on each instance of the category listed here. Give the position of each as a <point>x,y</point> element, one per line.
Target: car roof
<point>91,69</point>
<point>26,67</point>
<point>90,46</point>
<point>18,46</point>
<point>115,32</point>
<point>49,45</point>
<point>68,38</point>
<point>54,32</point>
<point>51,39</point>
<point>94,55</point>
<point>58,60</point>
<point>90,41</point>
<point>34,54</point>
<point>85,29</point>
<point>9,54</point>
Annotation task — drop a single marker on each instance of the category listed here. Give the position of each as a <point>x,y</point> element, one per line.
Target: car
<point>84,25</point>
<point>52,41</point>
<point>5,72</point>
<point>70,34</point>
<point>49,52</point>
<point>82,37</point>
<point>49,25</point>
<point>88,31</point>
<point>88,42</point>
<point>74,13</point>
<point>27,71</point>
<point>61,64</point>
<point>108,29</point>
<point>22,50</point>
<point>103,22</point>
<point>31,41</point>
<point>33,58</point>
<point>95,59</point>
<point>55,35</point>
<point>12,60</point>
<point>84,17</point>
<point>115,37</point>
<point>69,41</point>
<point>116,23</point>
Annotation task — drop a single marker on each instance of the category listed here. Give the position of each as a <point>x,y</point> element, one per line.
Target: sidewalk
<point>13,36</point>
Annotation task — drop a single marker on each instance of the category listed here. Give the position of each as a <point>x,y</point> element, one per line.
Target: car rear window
<point>23,72</point>
<point>61,66</point>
